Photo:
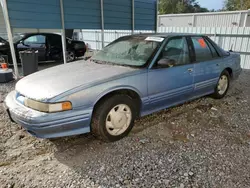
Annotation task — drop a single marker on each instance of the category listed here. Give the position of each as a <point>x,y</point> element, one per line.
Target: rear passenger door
<point>207,67</point>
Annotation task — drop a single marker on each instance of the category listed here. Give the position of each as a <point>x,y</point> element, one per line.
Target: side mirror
<point>166,63</point>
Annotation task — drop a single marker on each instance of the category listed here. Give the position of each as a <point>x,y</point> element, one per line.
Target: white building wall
<point>169,21</point>
<point>211,19</point>
<point>222,20</point>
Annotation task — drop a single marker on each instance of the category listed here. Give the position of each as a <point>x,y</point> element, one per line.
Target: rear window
<point>202,50</point>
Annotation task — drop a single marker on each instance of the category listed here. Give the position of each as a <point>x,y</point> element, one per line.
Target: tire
<point>114,115</point>
<point>220,90</point>
<point>71,56</point>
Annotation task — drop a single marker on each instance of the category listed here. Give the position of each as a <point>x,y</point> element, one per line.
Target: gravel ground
<point>204,143</point>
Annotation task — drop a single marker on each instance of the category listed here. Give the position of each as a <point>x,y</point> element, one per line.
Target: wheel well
<point>230,71</point>
<point>132,94</point>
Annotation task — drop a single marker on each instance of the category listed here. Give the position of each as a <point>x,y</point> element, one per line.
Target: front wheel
<point>114,118</point>
<point>222,85</point>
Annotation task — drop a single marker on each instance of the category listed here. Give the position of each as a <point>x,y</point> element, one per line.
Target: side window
<point>36,39</point>
<point>213,50</point>
<point>55,40</point>
<point>175,53</point>
<point>202,50</point>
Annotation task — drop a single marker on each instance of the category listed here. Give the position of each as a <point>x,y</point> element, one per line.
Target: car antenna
<point>231,49</point>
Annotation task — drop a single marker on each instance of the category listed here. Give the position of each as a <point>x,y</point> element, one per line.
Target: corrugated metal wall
<point>3,32</point>
<point>217,19</point>
<point>144,9</point>
<point>81,14</point>
<point>117,14</point>
<point>34,14</point>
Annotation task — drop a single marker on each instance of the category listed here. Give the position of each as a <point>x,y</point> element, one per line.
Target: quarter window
<point>213,50</point>
<point>202,50</point>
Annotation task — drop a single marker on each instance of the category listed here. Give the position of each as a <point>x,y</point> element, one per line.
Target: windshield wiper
<point>98,61</point>
<point>110,63</point>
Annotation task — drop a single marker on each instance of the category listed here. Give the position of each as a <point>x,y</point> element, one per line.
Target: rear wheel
<point>114,118</point>
<point>70,56</point>
<point>222,85</point>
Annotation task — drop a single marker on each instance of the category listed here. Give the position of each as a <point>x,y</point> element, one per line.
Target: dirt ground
<point>204,143</point>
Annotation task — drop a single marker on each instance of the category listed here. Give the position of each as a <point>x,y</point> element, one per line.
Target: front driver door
<point>35,42</point>
<point>171,82</point>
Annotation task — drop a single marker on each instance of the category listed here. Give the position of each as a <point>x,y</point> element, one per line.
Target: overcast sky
<point>211,4</point>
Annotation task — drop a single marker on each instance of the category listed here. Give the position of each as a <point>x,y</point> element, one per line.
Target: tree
<point>180,6</point>
<point>232,5</point>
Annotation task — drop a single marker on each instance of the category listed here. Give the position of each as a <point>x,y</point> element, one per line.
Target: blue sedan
<point>132,77</point>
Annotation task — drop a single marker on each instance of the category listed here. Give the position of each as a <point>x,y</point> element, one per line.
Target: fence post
<point>245,19</point>
<point>102,23</point>
<point>97,40</point>
<point>239,19</point>
<point>63,37</point>
<point>116,36</point>
<point>157,17</point>
<point>133,16</point>
<point>10,37</point>
<point>193,21</point>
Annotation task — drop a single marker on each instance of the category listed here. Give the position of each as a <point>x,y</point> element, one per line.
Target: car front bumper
<point>48,125</point>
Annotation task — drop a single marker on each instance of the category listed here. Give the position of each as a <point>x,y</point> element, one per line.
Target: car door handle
<point>191,70</point>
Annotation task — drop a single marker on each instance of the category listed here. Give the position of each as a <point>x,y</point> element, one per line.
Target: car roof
<point>36,33</point>
<point>140,34</point>
<point>167,34</point>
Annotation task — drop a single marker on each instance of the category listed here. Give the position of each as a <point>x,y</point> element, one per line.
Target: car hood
<point>49,83</point>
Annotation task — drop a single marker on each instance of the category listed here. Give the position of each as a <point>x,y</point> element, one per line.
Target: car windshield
<point>17,37</point>
<point>129,51</point>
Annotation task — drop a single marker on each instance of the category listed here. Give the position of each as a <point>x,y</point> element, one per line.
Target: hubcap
<point>70,56</point>
<point>223,84</point>
<point>118,119</point>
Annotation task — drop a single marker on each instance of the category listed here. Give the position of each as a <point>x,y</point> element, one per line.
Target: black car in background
<point>48,45</point>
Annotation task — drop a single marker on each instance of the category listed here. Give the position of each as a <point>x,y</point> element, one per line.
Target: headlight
<point>48,107</point>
